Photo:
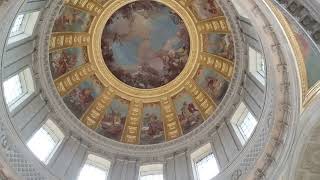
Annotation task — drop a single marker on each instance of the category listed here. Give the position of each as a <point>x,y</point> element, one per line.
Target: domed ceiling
<point>142,72</point>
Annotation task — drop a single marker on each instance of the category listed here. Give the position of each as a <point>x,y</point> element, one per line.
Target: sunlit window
<point>151,172</point>
<point>244,123</point>
<point>152,177</point>
<point>247,126</point>
<point>17,88</point>
<point>13,89</point>
<point>257,65</point>
<point>17,27</point>
<point>23,26</point>
<point>95,168</point>
<point>45,141</point>
<point>205,165</point>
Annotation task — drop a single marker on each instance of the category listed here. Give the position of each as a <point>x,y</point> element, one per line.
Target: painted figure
<point>79,99</point>
<point>72,20</point>
<point>220,44</point>
<point>213,83</point>
<point>152,126</point>
<point>206,8</point>
<point>114,119</point>
<point>188,114</point>
<point>65,60</point>
<point>145,44</point>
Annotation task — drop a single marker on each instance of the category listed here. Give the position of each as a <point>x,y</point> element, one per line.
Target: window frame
<point>26,27</point>
<point>256,58</point>
<point>240,116</point>
<point>27,87</point>
<point>151,169</point>
<point>55,134</point>
<point>22,25</point>
<point>199,155</point>
<point>97,162</point>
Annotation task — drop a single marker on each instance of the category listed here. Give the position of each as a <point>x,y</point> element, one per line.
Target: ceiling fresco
<point>142,71</point>
<point>145,44</point>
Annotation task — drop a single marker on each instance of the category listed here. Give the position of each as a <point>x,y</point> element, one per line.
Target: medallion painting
<point>206,9</point>
<point>72,20</point>
<point>212,83</point>
<point>80,98</point>
<point>63,61</point>
<point>152,125</point>
<point>219,44</point>
<point>114,119</point>
<point>188,113</point>
<point>145,44</point>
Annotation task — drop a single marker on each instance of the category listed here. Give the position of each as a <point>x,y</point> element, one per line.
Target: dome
<point>142,72</point>
<point>159,89</point>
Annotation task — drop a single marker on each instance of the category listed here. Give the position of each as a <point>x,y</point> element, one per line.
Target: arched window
<point>23,26</point>
<point>46,141</point>
<point>17,88</point>
<point>243,123</point>
<point>151,172</point>
<point>205,165</point>
<point>95,167</point>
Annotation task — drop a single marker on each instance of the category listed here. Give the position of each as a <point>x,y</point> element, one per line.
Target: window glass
<point>13,89</point>
<point>204,163</point>
<point>244,123</point>
<point>90,172</point>
<point>18,88</point>
<point>23,26</point>
<point>45,141</point>
<point>151,172</point>
<point>257,65</point>
<point>152,177</point>
<point>95,167</point>
<point>247,125</point>
<point>17,25</point>
<point>207,168</point>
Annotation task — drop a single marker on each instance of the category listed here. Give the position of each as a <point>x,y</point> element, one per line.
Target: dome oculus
<point>145,44</point>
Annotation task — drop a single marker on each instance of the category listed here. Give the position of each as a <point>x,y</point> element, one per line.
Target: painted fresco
<point>72,20</point>
<point>213,83</point>
<point>311,57</point>
<point>79,99</point>
<point>152,125</point>
<point>219,44</point>
<point>188,113</point>
<point>63,61</point>
<point>206,8</point>
<point>145,44</point>
<point>113,121</point>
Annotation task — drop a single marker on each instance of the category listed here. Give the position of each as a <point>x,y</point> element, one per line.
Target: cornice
<point>96,141</point>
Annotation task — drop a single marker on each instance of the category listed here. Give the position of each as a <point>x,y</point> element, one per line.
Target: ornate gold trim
<point>126,91</point>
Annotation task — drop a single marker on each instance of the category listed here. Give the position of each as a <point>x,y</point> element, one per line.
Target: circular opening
<point>145,44</point>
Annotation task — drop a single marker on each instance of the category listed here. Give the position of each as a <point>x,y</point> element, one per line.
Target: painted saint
<point>80,98</point>
<point>188,113</point>
<point>206,9</point>
<point>212,83</point>
<point>145,44</point>
<point>72,20</point>
<point>114,119</point>
<point>65,60</point>
<point>152,125</point>
<point>219,44</point>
